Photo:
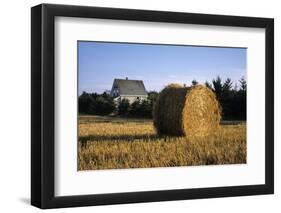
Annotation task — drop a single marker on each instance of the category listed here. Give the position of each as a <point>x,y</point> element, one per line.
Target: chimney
<point>126,78</point>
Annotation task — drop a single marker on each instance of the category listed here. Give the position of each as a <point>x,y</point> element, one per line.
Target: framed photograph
<point>136,106</point>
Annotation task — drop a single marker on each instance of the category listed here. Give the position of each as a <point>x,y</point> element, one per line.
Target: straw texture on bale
<point>193,112</point>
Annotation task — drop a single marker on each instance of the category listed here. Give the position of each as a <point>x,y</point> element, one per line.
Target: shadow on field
<point>128,138</point>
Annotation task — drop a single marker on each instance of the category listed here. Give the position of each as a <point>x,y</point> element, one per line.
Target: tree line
<point>232,99</point>
<point>103,104</point>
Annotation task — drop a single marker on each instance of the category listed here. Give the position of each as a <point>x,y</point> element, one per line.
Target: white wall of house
<point>131,98</point>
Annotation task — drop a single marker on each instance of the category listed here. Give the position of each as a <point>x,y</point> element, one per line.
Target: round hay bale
<point>193,111</point>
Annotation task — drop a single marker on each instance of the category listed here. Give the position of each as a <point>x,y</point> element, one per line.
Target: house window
<point>115,92</point>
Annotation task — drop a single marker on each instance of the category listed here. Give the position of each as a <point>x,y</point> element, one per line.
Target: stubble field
<point>117,143</point>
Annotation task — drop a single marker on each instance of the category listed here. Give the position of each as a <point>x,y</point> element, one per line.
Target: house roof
<point>130,87</point>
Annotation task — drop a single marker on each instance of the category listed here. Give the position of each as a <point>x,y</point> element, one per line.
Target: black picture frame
<point>43,117</point>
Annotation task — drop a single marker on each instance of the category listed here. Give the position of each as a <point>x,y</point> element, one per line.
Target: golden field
<point>117,143</point>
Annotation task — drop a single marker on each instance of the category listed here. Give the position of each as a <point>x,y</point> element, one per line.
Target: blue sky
<point>157,65</point>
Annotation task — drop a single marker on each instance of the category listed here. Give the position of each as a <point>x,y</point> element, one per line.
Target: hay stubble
<point>128,143</point>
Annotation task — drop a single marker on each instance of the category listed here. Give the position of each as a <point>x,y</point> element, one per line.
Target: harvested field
<point>117,143</point>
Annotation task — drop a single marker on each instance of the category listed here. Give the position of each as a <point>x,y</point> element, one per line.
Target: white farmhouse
<point>131,90</point>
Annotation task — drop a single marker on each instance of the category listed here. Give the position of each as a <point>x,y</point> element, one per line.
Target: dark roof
<point>130,87</point>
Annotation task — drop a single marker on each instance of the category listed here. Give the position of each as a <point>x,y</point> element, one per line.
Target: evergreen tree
<point>207,84</point>
<point>243,84</point>
<point>194,82</point>
<point>217,85</point>
<point>227,86</point>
